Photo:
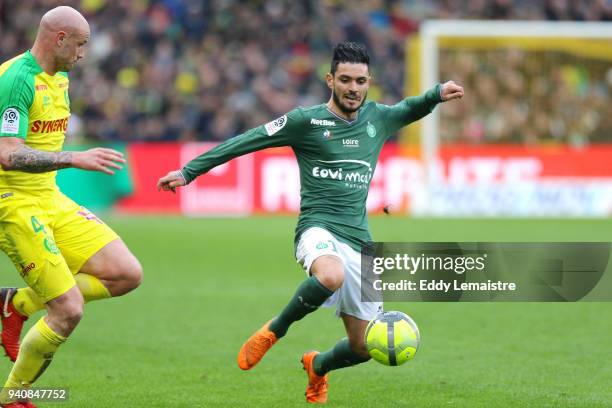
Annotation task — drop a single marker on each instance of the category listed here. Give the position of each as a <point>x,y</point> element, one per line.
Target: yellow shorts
<point>49,238</point>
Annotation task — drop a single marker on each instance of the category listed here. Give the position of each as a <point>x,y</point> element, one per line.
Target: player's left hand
<point>171,181</point>
<point>450,90</point>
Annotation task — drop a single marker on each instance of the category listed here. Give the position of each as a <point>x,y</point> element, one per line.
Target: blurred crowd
<point>528,96</point>
<point>209,69</point>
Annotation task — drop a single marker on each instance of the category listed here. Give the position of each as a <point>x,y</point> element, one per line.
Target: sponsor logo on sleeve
<point>10,121</point>
<point>275,125</point>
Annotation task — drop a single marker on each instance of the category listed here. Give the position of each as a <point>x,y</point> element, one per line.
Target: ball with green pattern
<point>392,338</point>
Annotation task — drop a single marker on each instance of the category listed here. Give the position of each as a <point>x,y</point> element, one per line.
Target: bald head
<point>61,38</point>
<point>63,18</point>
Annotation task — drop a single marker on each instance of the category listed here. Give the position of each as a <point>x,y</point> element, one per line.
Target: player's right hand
<point>450,90</point>
<point>171,181</point>
<point>98,159</point>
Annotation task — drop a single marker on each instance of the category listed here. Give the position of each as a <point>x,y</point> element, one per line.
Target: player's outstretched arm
<point>450,90</point>
<point>279,132</point>
<point>171,181</point>
<point>15,155</point>
<point>415,108</point>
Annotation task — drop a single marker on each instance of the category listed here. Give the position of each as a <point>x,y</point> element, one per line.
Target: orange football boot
<point>316,392</point>
<point>253,350</point>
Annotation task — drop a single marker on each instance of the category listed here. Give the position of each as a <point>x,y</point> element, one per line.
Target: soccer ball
<point>392,338</point>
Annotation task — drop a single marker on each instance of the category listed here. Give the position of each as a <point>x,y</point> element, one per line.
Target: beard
<point>63,66</point>
<point>343,107</point>
<point>66,67</point>
<point>65,61</point>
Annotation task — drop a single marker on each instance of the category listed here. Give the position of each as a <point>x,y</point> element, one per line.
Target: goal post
<point>529,84</point>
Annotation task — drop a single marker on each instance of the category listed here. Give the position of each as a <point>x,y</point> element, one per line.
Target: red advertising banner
<point>509,163</point>
<point>225,190</point>
<point>467,180</point>
<point>148,162</point>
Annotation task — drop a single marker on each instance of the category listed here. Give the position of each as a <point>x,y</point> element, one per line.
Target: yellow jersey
<point>35,107</point>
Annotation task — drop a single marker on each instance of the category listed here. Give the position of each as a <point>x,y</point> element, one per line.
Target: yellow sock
<point>27,302</point>
<point>35,355</point>
<point>91,287</point>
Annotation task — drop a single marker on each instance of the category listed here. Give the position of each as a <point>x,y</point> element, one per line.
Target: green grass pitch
<point>209,283</point>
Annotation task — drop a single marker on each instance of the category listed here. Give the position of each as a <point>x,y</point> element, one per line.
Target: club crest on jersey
<point>275,125</point>
<point>371,130</point>
<point>51,246</point>
<point>10,121</point>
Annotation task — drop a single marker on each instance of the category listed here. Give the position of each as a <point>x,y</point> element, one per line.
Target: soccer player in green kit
<point>337,145</point>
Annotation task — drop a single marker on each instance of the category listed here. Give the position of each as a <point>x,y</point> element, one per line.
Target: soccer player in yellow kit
<point>64,253</point>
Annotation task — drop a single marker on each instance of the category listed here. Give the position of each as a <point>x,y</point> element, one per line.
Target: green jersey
<point>336,157</point>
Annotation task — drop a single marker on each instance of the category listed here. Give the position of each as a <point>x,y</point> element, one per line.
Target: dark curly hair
<point>351,52</point>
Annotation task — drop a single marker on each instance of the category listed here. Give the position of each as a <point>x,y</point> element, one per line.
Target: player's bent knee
<point>329,270</point>
<point>127,275</point>
<point>72,309</point>
<point>73,314</point>
<point>132,274</point>
<point>332,280</point>
<point>66,311</point>
<point>116,267</point>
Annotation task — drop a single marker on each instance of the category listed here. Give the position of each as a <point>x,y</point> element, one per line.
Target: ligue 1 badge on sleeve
<point>10,121</point>
<point>275,125</point>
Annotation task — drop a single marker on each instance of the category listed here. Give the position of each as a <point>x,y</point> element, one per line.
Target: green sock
<point>338,357</point>
<point>308,297</point>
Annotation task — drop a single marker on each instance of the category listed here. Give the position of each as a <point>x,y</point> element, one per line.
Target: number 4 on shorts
<point>36,225</point>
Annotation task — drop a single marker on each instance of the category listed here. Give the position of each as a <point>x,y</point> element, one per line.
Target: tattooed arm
<point>36,161</point>
<point>15,155</point>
